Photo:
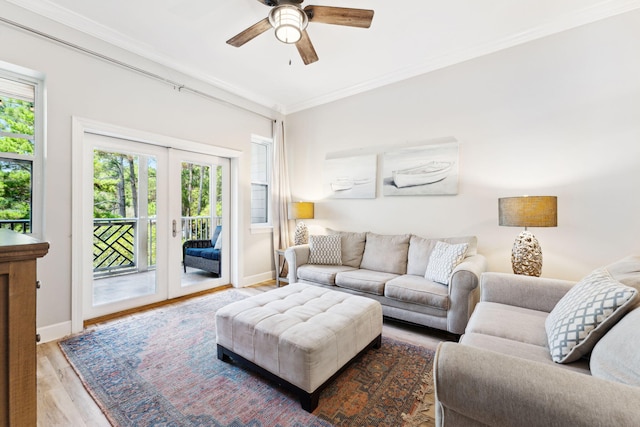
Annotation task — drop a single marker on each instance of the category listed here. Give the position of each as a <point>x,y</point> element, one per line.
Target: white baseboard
<point>54,332</point>
<point>258,278</point>
<point>61,330</point>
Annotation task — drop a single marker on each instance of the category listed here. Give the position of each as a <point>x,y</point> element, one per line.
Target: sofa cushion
<point>520,349</point>
<point>323,274</point>
<point>325,250</point>
<point>208,253</point>
<point>351,245</point>
<point>616,357</point>
<point>420,250</point>
<point>509,322</point>
<point>417,290</point>
<point>444,258</point>
<point>362,280</point>
<point>386,253</point>
<point>585,313</point>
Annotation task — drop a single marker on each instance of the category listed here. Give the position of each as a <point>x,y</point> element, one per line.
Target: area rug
<point>159,368</point>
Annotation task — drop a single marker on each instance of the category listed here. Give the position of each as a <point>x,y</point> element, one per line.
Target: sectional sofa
<point>425,281</point>
<point>545,352</point>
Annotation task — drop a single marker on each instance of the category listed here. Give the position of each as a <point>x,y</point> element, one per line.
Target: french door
<point>141,204</point>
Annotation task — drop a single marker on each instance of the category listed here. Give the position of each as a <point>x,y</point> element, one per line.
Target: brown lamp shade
<point>528,211</point>
<point>301,210</point>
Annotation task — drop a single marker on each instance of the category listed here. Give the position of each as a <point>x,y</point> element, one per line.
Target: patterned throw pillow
<point>584,314</point>
<point>325,250</point>
<point>444,258</point>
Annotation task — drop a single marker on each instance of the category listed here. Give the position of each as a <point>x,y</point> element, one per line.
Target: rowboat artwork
<point>342,184</point>
<point>420,175</point>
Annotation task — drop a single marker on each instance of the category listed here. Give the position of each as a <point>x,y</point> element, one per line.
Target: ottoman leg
<point>378,342</point>
<point>222,355</point>
<point>309,401</point>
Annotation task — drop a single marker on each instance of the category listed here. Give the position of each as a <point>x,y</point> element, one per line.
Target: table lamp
<point>527,211</point>
<point>301,210</point>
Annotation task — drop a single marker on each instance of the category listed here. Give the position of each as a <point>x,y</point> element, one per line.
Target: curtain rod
<point>178,86</point>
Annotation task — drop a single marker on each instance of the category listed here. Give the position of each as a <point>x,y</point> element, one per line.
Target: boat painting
<point>428,169</point>
<point>342,184</point>
<point>351,177</point>
<point>422,175</point>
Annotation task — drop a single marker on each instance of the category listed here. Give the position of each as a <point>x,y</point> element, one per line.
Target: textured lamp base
<point>302,234</point>
<point>526,256</point>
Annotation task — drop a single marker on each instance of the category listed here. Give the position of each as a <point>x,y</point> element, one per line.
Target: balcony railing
<point>18,225</point>
<point>127,245</point>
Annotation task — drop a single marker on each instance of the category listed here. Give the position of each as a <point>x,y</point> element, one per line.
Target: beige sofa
<point>502,373</point>
<point>391,269</point>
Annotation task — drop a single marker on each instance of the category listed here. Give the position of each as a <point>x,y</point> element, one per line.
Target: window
<point>260,180</point>
<point>20,151</point>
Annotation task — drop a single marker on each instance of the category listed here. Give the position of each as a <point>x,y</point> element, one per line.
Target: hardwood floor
<point>63,400</point>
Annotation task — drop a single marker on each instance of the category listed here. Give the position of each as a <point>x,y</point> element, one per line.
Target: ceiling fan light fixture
<point>289,21</point>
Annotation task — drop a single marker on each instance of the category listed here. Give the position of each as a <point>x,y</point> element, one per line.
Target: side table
<point>280,268</point>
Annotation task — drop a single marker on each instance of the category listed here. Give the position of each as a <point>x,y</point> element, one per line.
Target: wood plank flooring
<point>63,400</point>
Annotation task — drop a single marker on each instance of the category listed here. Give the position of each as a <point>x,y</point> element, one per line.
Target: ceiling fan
<point>290,22</point>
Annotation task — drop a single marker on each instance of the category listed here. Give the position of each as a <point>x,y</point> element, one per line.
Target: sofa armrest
<point>500,390</point>
<point>535,293</point>
<point>463,292</point>
<point>296,256</point>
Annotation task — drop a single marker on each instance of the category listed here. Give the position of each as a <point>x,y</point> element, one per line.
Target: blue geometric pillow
<point>585,314</point>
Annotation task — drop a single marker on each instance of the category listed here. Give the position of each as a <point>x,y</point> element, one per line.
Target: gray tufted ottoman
<point>300,336</point>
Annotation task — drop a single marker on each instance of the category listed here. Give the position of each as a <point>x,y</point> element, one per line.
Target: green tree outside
<point>17,127</point>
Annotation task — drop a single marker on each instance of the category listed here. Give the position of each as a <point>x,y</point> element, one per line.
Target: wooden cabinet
<point>18,255</point>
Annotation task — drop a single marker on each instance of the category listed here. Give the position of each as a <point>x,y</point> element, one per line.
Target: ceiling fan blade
<point>340,16</point>
<point>306,50</point>
<point>250,33</point>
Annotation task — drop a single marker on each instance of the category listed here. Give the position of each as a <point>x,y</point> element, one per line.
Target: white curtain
<point>280,192</point>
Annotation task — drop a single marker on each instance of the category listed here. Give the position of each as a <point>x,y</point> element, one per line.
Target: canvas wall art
<point>423,170</point>
<point>352,177</point>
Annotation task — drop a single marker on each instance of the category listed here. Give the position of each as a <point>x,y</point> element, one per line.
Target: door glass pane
<point>201,194</point>
<point>124,232</point>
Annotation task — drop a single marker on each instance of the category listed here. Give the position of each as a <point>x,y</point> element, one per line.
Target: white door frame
<point>82,170</point>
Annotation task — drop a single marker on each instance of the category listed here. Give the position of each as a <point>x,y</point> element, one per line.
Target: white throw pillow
<point>585,313</point>
<point>325,250</point>
<point>218,244</point>
<point>444,258</point>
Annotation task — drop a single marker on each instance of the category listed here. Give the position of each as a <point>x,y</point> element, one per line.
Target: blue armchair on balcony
<point>203,254</point>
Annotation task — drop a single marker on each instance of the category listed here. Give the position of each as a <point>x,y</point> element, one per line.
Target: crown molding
<point>602,10</point>
<point>99,31</point>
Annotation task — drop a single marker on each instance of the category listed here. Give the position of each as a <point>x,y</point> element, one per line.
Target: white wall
<point>80,85</point>
<point>558,116</point>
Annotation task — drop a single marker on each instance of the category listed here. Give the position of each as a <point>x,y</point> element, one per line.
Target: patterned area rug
<point>159,368</point>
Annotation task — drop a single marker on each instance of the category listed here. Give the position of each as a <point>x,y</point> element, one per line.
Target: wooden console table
<point>18,283</point>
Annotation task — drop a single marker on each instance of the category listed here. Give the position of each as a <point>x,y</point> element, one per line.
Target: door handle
<point>174,226</point>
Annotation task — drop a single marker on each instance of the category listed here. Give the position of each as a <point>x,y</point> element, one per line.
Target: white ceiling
<point>406,38</point>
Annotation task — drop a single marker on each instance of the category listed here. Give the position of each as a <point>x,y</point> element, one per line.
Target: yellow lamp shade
<point>301,210</point>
